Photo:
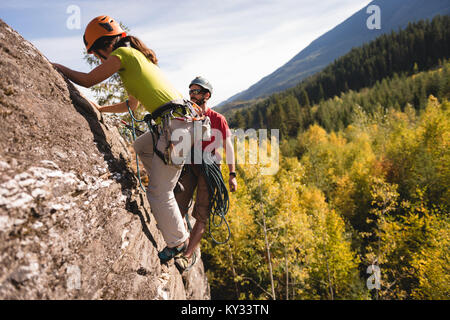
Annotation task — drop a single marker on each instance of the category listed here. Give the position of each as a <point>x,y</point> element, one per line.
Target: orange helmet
<point>99,27</point>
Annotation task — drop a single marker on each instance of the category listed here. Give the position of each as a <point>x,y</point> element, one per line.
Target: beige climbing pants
<point>162,180</point>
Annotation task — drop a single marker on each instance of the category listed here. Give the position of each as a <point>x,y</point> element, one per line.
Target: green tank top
<point>144,80</point>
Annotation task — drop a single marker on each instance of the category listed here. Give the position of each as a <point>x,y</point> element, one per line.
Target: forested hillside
<point>420,46</point>
<point>363,183</point>
<point>373,194</point>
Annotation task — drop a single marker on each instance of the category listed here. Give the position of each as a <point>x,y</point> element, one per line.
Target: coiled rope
<point>219,201</point>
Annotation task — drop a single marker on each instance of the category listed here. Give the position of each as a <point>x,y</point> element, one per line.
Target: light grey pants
<point>162,180</point>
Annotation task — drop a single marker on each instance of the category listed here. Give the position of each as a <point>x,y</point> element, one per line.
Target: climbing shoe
<point>169,253</point>
<point>181,262</point>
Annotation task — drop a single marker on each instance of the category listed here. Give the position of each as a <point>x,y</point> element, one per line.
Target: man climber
<point>200,91</point>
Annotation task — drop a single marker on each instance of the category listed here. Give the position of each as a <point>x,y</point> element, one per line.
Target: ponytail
<point>117,41</point>
<point>138,45</point>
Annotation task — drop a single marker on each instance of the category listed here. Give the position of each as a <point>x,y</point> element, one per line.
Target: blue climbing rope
<point>133,131</point>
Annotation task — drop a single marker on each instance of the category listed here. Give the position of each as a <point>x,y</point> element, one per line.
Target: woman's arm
<point>119,107</point>
<point>97,75</point>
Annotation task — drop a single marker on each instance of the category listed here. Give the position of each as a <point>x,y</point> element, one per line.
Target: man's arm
<point>229,156</point>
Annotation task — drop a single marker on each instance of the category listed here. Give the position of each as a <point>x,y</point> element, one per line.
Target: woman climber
<point>145,83</point>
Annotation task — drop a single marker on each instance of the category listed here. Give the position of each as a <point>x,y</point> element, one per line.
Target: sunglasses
<point>195,91</point>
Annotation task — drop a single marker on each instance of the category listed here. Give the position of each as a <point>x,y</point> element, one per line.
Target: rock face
<point>73,222</point>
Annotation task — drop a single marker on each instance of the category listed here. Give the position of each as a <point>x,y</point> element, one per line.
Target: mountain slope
<point>325,97</point>
<point>351,33</point>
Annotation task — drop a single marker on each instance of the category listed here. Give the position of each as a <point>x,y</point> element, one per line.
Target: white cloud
<point>235,49</point>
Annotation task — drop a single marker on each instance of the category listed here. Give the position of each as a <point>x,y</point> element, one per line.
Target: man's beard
<point>198,102</point>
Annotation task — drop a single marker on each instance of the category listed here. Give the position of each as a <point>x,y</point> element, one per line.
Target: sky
<point>232,43</point>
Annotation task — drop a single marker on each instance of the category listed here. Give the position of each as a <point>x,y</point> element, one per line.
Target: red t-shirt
<point>218,124</point>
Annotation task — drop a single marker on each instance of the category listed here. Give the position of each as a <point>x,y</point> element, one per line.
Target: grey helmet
<point>202,82</point>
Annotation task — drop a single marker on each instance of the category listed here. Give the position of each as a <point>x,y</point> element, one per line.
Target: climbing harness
<point>182,109</point>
